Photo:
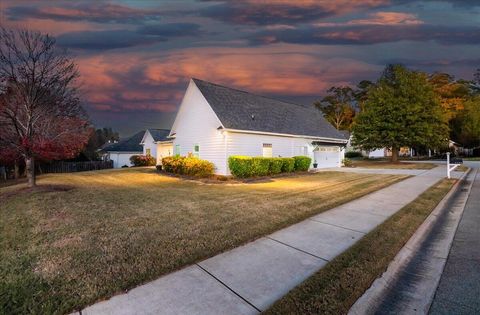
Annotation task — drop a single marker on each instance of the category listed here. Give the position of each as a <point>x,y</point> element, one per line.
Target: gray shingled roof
<point>245,111</point>
<point>160,134</point>
<point>131,144</point>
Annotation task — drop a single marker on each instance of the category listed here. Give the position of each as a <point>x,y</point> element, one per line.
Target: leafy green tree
<point>338,107</point>
<point>402,109</point>
<point>361,92</point>
<point>467,123</point>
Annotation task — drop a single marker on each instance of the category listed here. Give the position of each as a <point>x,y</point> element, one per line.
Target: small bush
<point>143,160</point>
<point>353,154</point>
<point>275,166</point>
<point>190,166</point>
<point>288,165</point>
<point>302,163</point>
<point>347,162</point>
<point>240,166</point>
<point>193,166</point>
<point>260,166</point>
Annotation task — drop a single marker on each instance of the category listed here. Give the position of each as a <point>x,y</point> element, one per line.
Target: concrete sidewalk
<point>248,279</point>
<point>388,171</point>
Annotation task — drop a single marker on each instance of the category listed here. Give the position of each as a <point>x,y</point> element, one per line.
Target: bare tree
<point>40,111</point>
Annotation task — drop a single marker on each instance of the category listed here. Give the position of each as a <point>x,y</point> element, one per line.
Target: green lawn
<point>82,237</point>
<point>381,163</point>
<point>335,288</point>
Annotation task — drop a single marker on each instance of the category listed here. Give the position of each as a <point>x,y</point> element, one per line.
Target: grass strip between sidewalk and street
<point>336,287</point>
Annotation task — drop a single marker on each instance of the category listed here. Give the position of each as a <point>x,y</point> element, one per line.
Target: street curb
<point>425,287</point>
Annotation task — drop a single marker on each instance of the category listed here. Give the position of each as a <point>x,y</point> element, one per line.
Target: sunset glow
<point>136,57</point>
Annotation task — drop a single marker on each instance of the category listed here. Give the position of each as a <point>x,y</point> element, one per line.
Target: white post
<point>448,165</point>
<point>429,153</point>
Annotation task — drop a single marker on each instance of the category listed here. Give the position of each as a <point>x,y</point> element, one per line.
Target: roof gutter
<point>333,140</point>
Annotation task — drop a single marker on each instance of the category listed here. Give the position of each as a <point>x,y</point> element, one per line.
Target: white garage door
<point>327,156</point>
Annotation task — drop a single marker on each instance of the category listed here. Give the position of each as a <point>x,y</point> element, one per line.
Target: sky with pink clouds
<point>136,57</point>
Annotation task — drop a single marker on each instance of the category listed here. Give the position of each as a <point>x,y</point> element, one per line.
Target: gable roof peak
<point>241,110</point>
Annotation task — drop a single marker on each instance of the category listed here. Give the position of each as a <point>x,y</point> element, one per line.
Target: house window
<point>267,150</point>
<point>147,152</point>
<point>303,150</point>
<point>196,150</point>
<point>177,149</point>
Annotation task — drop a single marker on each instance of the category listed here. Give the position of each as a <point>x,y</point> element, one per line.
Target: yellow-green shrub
<point>275,166</point>
<point>302,163</point>
<point>190,166</point>
<point>246,166</point>
<point>288,165</point>
<point>240,166</point>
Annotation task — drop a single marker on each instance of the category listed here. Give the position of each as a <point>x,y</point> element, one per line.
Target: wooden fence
<point>69,167</point>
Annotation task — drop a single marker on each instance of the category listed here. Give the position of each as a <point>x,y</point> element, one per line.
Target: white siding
<point>379,153</point>
<point>121,159</point>
<point>196,123</point>
<point>149,143</point>
<point>252,145</point>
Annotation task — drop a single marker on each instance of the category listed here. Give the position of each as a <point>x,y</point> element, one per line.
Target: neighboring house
<point>156,143</point>
<point>120,152</point>
<point>348,135</point>
<point>215,122</point>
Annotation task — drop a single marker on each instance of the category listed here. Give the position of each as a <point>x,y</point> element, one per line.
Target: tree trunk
<point>16,171</point>
<point>30,169</point>
<point>394,154</point>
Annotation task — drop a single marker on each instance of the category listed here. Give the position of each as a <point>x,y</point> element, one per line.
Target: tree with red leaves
<point>40,112</point>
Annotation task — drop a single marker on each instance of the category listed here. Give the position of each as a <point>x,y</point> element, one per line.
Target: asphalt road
<point>459,288</point>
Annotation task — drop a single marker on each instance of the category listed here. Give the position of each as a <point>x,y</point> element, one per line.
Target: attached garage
<point>327,156</point>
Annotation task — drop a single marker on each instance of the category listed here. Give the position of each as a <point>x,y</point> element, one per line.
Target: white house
<point>215,122</point>
<point>156,143</point>
<point>121,151</point>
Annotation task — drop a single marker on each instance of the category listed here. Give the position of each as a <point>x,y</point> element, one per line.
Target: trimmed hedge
<point>241,166</point>
<point>275,166</point>
<point>302,163</point>
<point>143,160</point>
<point>288,165</point>
<point>247,166</point>
<point>190,166</point>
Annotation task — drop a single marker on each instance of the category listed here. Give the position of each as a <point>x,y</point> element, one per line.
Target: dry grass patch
<point>381,163</point>
<point>115,229</point>
<point>335,288</point>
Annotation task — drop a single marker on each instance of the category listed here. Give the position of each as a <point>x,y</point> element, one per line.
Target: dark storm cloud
<point>455,3</point>
<point>171,29</point>
<point>85,11</point>
<point>104,40</point>
<point>369,34</point>
<point>258,14</point>
<point>145,35</point>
